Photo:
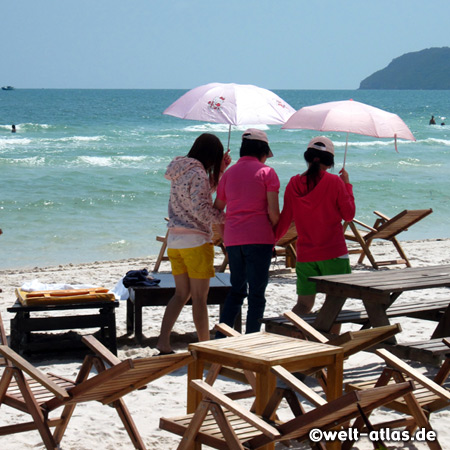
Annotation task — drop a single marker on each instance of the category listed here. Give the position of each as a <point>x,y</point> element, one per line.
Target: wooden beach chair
<point>352,341</point>
<point>429,396</point>
<point>27,389</point>
<point>384,228</point>
<point>223,423</point>
<point>286,246</point>
<point>216,240</point>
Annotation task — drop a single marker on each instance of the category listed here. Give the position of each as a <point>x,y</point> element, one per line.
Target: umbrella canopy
<point>351,117</point>
<point>233,104</point>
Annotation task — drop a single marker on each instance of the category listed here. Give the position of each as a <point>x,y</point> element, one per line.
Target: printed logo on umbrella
<point>216,103</point>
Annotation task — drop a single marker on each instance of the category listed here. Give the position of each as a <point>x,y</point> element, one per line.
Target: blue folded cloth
<point>139,278</point>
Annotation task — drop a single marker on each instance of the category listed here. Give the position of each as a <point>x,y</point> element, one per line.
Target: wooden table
<point>259,352</point>
<point>378,290</point>
<point>141,296</point>
<point>25,322</point>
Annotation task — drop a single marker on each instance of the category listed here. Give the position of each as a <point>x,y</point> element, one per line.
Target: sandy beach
<point>97,426</point>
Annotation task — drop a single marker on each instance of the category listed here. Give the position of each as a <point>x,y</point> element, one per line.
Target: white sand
<point>97,426</point>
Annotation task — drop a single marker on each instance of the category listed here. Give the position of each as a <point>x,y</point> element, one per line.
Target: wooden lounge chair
<point>222,423</point>
<point>351,341</point>
<point>286,246</point>
<point>386,229</point>
<point>27,389</point>
<point>216,240</point>
<point>428,397</point>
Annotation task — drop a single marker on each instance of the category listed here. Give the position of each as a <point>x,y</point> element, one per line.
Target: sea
<point>82,179</point>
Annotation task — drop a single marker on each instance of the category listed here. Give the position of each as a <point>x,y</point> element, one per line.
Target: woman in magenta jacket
<point>317,202</point>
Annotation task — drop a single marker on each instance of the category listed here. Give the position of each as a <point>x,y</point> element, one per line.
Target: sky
<point>168,44</point>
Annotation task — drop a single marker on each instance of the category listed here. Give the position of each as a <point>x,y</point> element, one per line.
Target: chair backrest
<point>127,376</point>
<point>338,412</point>
<point>398,223</point>
<point>355,341</point>
<point>397,363</point>
<point>289,237</point>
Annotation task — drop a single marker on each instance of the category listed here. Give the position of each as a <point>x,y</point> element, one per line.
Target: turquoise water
<point>82,179</point>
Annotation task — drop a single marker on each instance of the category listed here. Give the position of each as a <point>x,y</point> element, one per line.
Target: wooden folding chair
<point>27,389</point>
<point>386,229</point>
<point>351,341</point>
<point>216,240</point>
<point>222,423</point>
<point>286,246</point>
<point>428,397</point>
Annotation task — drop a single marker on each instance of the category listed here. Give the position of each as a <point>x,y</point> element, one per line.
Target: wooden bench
<point>431,351</point>
<point>425,310</point>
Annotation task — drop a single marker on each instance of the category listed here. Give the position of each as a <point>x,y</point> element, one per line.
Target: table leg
<point>265,385</point>
<point>335,375</point>
<point>195,372</point>
<point>111,328</point>
<point>130,316</point>
<point>376,312</point>
<point>138,321</point>
<point>443,327</point>
<point>328,312</point>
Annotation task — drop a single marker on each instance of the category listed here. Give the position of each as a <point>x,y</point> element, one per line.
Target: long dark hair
<point>208,149</point>
<point>315,158</point>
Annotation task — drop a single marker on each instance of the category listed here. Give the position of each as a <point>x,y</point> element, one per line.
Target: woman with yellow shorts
<point>191,214</point>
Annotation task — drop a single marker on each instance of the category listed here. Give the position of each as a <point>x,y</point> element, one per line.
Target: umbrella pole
<point>345,154</point>
<point>229,135</point>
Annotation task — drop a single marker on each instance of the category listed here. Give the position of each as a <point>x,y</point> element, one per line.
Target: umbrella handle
<point>229,134</point>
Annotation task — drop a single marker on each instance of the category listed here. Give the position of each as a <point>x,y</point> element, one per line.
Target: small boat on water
<point>7,88</point>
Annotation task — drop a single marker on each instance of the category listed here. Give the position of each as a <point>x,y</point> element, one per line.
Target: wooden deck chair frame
<point>222,423</point>
<point>286,246</point>
<point>428,396</point>
<point>384,228</point>
<point>27,389</point>
<point>351,341</point>
<point>216,240</point>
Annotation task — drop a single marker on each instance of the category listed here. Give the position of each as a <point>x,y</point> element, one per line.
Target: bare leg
<point>199,291</point>
<point>304,304</point>
<point>173,310</point>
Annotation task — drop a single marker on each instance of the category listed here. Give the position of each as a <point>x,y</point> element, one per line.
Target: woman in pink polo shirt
<point>318,202</point>
<point>249,190</point>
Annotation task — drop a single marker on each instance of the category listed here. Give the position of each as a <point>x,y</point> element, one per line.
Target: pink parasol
<point>351,117</point>
<point>233,104</point>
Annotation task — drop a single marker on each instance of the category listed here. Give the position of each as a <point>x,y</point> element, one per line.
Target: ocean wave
<point>10,142</point>
<point>32,161</point>
<point>79,139</point>
<point>29,126</point>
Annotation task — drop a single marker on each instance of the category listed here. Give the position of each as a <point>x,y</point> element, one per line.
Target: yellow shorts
<point>197,262</point>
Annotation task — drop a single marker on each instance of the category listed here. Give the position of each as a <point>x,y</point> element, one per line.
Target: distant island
<point>426,69</point>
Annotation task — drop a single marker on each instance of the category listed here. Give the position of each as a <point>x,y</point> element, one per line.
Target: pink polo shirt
<point>243,187</point>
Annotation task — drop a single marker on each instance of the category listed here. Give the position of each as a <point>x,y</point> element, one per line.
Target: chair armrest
<point>213,394</point>
<point>305,327</point>
<point>36,374</point>
<point>226,330</point>
<point>446,341</point>
<point>298,386</point>
<point>398,364</point>
<point>364,225</point>
<point>100,350</point>
<point>383,216</point>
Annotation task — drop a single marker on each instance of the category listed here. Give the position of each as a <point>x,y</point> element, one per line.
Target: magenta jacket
<point>318,216</point>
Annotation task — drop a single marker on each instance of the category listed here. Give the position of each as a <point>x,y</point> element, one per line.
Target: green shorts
<point>304,270</point>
